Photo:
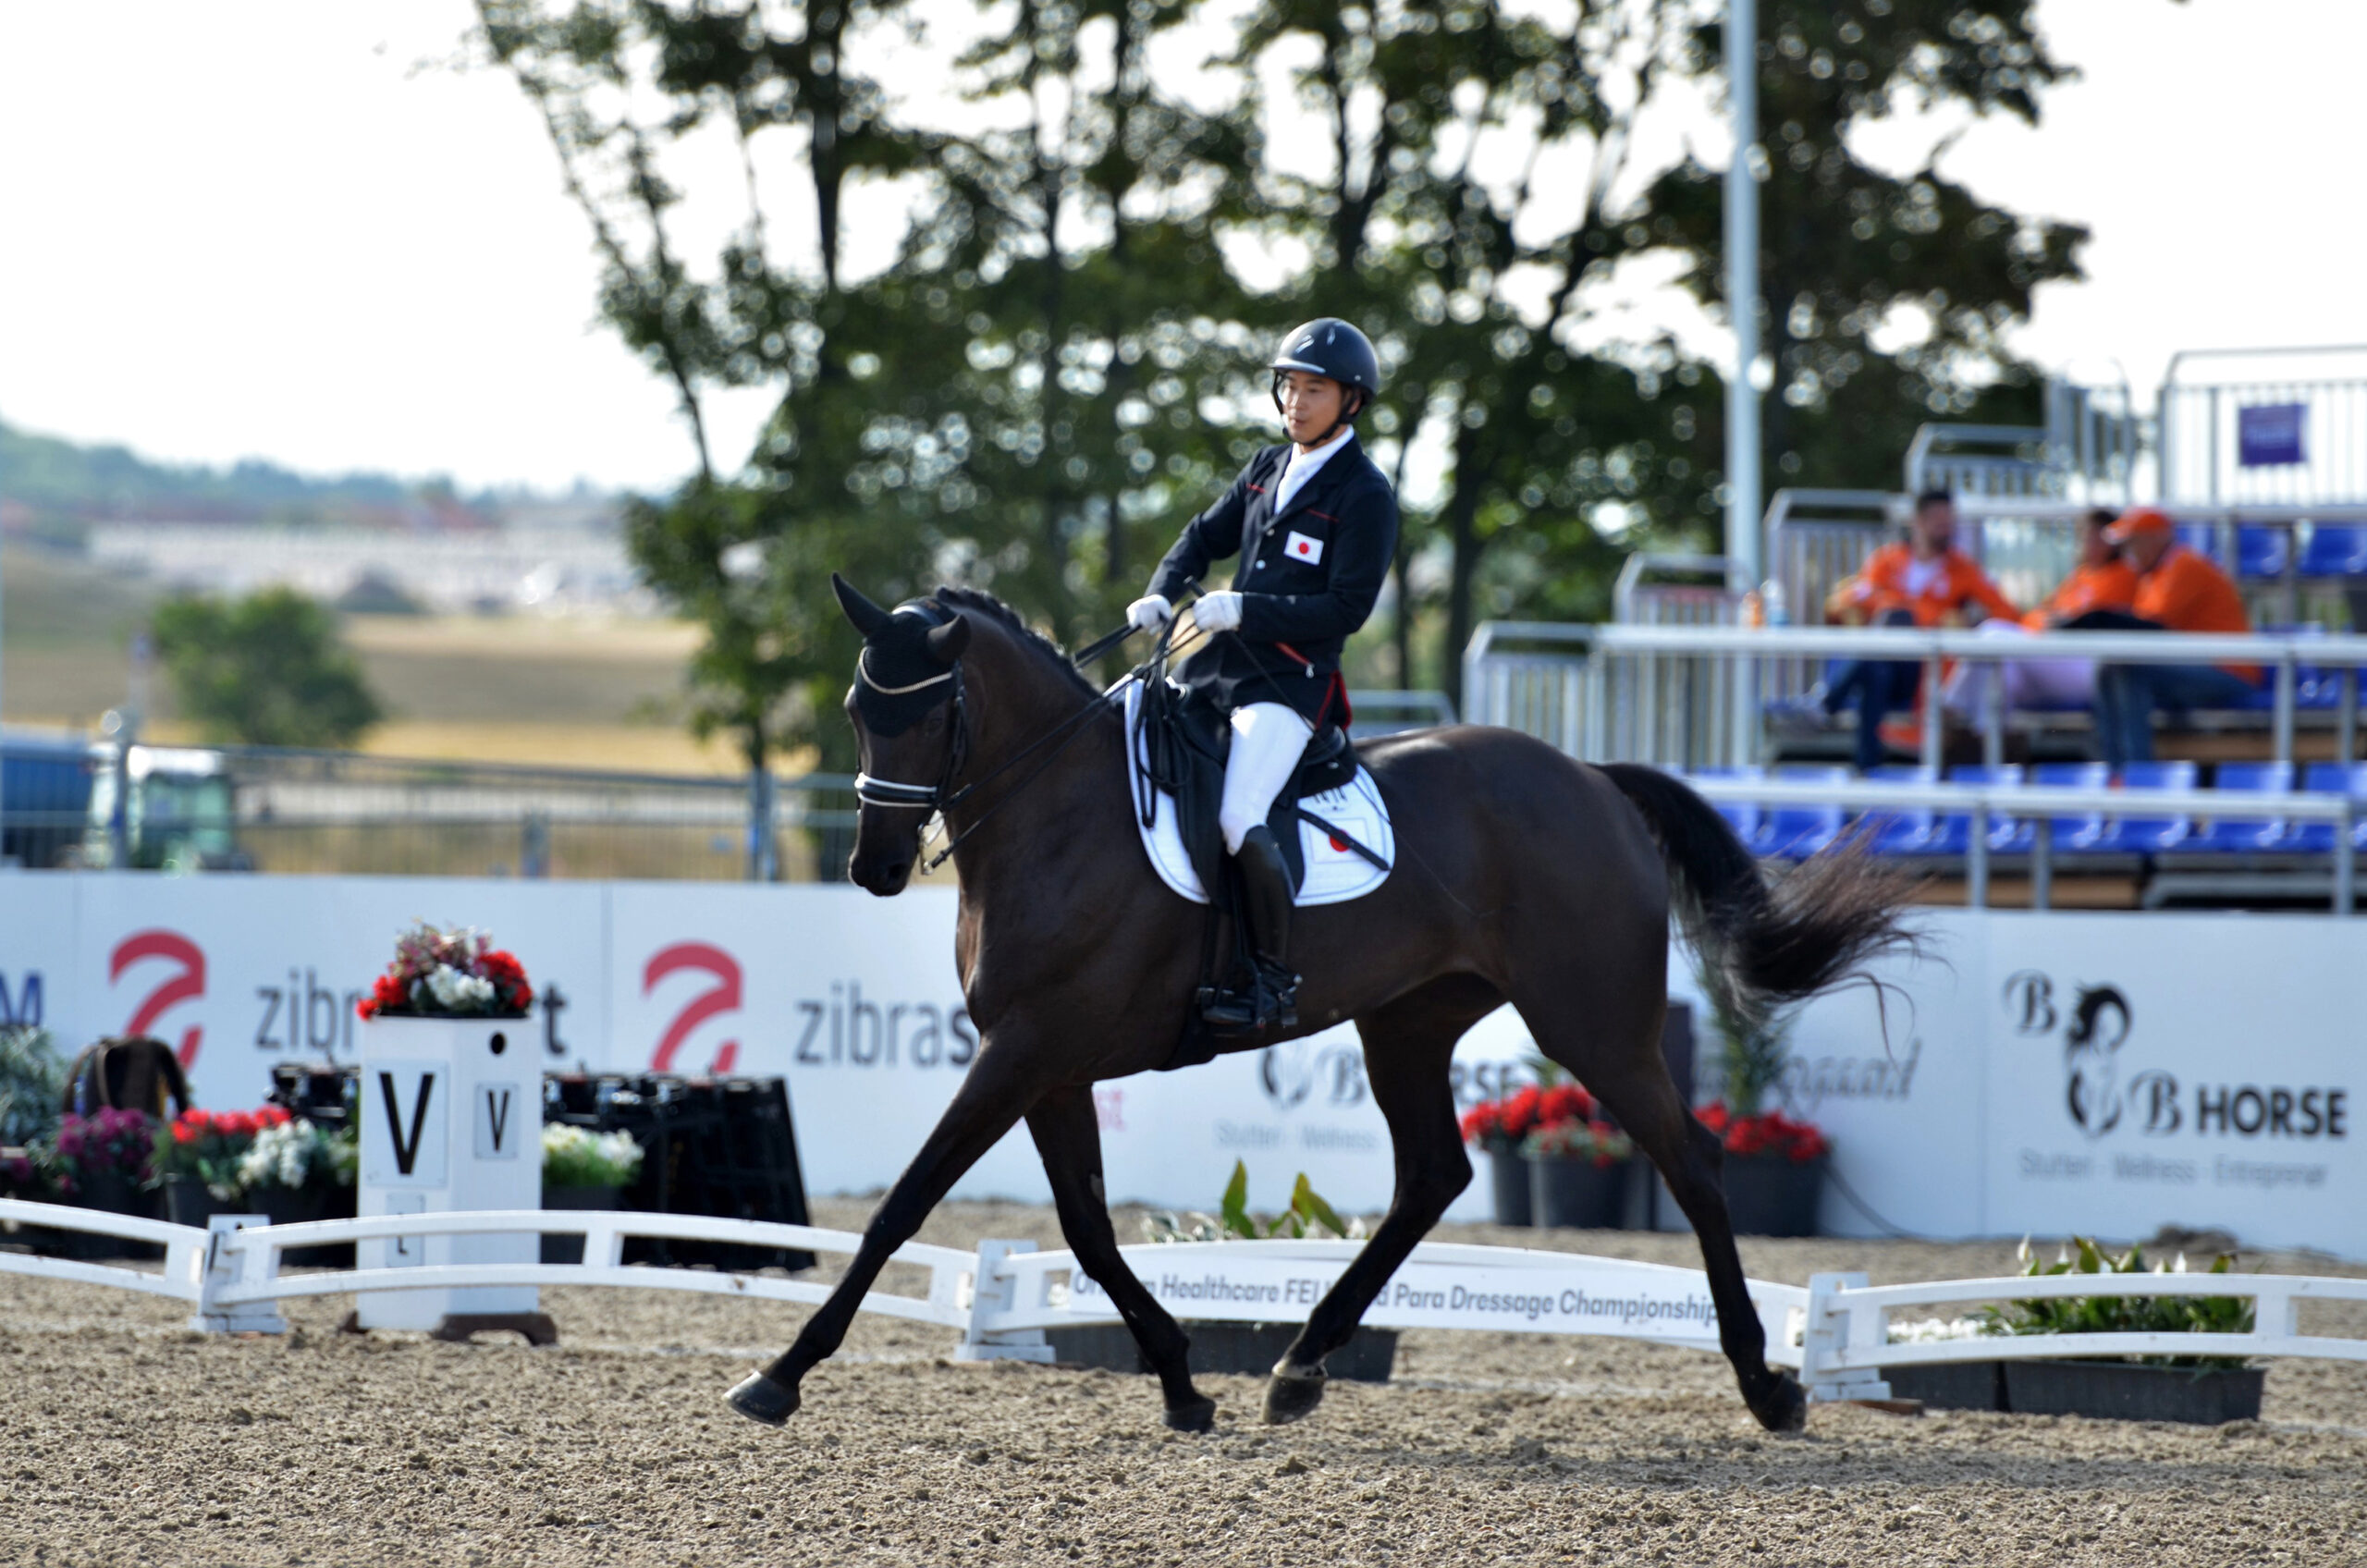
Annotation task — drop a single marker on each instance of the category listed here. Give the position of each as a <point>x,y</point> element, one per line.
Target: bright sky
<point>257,231</point>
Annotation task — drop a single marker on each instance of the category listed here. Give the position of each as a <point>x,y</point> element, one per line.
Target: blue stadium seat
<point>2336,550</point>
<point>1952,831</point>
<point>2262,551</point>
<point>2147,835</point>
<point>2070,832</point>
<point>2330,778</point>
<point>2203,538</point>
<point>1741,816</point>
<point>1798,832</point>
<point>2239,835</point>
<point>1908,830</point>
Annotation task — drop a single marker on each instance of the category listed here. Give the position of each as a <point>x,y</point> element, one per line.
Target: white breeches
<point>2027,682</point>
<point>1268,741</point>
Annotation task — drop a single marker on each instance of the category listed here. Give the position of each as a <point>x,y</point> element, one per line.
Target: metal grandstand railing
<point>2245,426</point>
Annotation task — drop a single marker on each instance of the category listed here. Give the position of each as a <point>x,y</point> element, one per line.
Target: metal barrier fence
<point>1001,1298</point>
<point>2295,438</point>
<point>1689,697</point>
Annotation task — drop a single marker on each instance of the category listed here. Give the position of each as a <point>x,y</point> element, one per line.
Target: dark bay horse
<point>1521,875</point>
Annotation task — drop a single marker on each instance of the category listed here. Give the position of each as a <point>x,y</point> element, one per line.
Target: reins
<point>1068,731</point>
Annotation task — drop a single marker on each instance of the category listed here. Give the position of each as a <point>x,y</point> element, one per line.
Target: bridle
<point>941,797</point>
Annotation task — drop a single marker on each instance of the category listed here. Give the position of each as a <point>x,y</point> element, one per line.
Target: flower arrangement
<point>1502,1126</point>
<point>239,1153</point>
<point>106,1143</point>
<point>449,974</point>
<point>575,1157</point>
<point>1768,1132</point>
<point>1589,1139</point>
<point>291,1152</point>
<point>2125,1314</point>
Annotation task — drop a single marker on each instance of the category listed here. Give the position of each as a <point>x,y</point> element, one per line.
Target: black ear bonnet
<point>902,676</point>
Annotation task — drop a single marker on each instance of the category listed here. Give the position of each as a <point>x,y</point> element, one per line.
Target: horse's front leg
<point>1407,1048</point>
<point>998,1091</point>
<point>1068,1135</point>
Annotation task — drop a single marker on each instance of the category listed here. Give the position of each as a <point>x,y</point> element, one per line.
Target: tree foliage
<point>1056,356</point>
<point>270,669</point>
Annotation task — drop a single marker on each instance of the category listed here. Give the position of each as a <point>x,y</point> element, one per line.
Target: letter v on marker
<point>406,1148</point>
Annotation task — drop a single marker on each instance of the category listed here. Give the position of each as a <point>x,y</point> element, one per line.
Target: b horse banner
<point>2034,1072</point>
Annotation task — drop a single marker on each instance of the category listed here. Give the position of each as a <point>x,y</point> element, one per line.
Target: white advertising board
<point>2031,1072</point>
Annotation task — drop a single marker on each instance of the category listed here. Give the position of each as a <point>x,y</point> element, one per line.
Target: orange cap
<point>2137,520</point>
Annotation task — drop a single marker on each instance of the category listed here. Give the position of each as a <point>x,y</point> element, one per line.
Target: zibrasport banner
<point>2039,1074</point>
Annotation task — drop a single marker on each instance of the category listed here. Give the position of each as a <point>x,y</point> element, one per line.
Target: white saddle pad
<point>1334,872</point>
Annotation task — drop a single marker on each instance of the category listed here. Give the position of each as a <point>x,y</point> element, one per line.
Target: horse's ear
<point>867,617</point>
<point>946,643</point>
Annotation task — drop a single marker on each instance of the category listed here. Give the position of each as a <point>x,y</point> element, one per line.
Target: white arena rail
<point>1001,1297</point>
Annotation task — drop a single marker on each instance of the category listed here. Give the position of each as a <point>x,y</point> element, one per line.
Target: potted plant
<point>1496,1128</point>
<point>32,1087</point>
<point>2202,1390</point>
<point>293,1171</point>
<point>1774,1164</point>
<point>102,1161</point>
<point>1579,1163</point>
<point>198,1158</point>
<point>583,1170</point>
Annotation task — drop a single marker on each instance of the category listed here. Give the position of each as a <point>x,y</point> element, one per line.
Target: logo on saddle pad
<point>1299,547</point>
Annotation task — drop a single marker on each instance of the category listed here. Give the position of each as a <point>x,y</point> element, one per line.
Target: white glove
<point>1220,611</point>
<point>1149,612</point>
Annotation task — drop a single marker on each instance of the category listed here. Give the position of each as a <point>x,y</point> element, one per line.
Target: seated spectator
<point>2102,581</point>
<point>1922,580</point>
<point>2178,590</point>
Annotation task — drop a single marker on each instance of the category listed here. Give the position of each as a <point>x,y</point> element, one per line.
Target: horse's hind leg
<point>1632,1079</point>
<point>1069,1137</point>
<point>992,1097</point>
<point>1408,1046</point>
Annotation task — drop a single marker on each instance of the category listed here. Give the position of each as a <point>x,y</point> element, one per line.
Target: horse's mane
<point>979,601</point>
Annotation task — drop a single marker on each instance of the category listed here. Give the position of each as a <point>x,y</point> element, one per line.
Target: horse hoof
<point>1289,1398</point>
<point>758,1397</point>
<point>1200,1415</point>
<point>1783,1407</point>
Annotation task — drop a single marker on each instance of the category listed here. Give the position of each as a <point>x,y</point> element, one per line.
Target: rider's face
<point>1311,405</point>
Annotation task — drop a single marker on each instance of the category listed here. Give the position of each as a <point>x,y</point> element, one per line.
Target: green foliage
<point>32,1085</point>
<point>270,669</point>
<point>1595,1143</point>
<point>1233,1220</point>
<point>2126,1314</point>
<point>1751,1053</point>
<point>1059,359</point>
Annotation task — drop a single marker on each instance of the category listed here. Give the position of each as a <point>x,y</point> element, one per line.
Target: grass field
<point>576,692</point>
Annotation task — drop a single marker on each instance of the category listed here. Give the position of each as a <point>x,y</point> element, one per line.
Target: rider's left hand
<point>1220,611</point>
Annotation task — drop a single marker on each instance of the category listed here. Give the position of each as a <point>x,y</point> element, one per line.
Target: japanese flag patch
<point>1299,547</point>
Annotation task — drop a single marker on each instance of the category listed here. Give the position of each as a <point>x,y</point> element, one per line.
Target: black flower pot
<point>189,1202</point>
<point>1770,1195</point>
<point>302,1206</point>
<point>1578,1195</point>
<point>112,1192</point>
<point>569,1249</point>
<point>1508,1179</point>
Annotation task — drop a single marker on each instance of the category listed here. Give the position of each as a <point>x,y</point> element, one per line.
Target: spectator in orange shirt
<point>1923,581</point>
<point>2102,581</point>
<point>2178,590</point>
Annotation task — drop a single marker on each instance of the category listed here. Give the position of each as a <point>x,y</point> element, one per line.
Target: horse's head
<point>906,707</point>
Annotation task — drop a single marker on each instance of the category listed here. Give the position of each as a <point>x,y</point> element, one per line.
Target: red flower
<point>1564,1102</point>
<point>1482,1122</point>
<point>1520,1112</point>
<point>1770,1132</point>
<point>502,967</point>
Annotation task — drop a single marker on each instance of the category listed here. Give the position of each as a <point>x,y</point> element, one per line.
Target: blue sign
<point>2270,435</point>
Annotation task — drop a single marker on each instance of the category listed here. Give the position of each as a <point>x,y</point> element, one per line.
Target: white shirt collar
<point>1300,467</point>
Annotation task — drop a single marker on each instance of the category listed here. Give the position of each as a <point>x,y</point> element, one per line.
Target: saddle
<point>1183,741</point>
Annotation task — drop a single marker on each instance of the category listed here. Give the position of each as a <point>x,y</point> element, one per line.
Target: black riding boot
<point>1271,1000</point>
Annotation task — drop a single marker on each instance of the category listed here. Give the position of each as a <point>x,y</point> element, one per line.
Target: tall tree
<point>270,669</point>
<point>1851,251</point>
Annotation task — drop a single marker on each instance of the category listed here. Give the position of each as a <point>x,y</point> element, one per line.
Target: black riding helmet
<point>1328,345</point>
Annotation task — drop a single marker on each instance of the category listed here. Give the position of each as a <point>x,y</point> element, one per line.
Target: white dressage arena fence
<point>1835,1332</point>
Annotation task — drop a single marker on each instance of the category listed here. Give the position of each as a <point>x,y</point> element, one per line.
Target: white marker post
<point>451,1116</point>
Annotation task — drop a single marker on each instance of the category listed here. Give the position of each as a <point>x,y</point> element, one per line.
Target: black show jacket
<point>1308,576</point>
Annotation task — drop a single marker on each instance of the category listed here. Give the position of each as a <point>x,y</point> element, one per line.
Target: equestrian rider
<point>1314,524</point>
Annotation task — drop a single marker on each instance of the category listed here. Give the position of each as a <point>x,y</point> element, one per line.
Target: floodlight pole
<point>1743,542</point>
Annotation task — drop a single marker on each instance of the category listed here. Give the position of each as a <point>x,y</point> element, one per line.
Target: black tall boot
<point>1271,1000</point>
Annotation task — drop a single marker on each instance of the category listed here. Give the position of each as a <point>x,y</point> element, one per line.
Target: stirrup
<point>1271,1001</point>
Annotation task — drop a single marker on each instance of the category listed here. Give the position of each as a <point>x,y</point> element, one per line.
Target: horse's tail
<point>1762,945</point>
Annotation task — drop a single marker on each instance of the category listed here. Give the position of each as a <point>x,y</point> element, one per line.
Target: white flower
<point>279,1157</point>
<point>455,992</point>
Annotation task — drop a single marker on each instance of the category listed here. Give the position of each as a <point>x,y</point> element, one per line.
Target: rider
<point>1314,524</point>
